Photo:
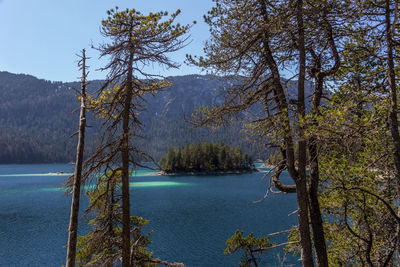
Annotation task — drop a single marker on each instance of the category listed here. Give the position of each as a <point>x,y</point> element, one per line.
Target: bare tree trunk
<point>73,221</point>
<point>304,229</point>
<point>315,210</point>
<point>394,125</point>
<point>301,186</point>
<point>301,182</point>
<point>301,108</point>
<point>125,167</point>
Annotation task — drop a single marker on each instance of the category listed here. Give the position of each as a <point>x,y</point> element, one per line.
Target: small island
<point>206,158</point>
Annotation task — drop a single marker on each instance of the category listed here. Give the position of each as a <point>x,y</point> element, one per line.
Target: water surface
<point>191,216</point>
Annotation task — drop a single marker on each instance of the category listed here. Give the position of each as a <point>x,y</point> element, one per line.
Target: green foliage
<point>205,157</point>
<point>140,28</point>
<point>293,245</point>
<point>102,246</point>
<point>251,246</point>
<point>360,227</point>
<point>355,168</point>
<point>276,156</point>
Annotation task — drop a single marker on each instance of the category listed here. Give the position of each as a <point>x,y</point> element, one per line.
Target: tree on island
<point>206,157</point>
<point>136,41</point>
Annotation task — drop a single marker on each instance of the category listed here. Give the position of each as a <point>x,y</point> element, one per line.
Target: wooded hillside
<point>37,120</point>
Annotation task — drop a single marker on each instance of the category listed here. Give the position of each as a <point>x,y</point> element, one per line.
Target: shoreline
<point>267,166</point>
<point>194,173</point>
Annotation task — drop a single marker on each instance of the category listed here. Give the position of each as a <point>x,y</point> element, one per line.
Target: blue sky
<point>42,37</point>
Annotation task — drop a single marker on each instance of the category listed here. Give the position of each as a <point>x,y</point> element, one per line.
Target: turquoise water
<point>191,216</point>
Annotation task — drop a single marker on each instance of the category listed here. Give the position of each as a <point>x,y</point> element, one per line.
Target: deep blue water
<point>191,216</point>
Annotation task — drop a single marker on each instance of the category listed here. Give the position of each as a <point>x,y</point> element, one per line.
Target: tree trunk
<point>304,229</point>
<point>125,168</point>
<point>301,108</point>
<point>301,183</point>
<point>315,211</point>
<point>301,186</point>
<point>73,221</point>
<point>394,125</point>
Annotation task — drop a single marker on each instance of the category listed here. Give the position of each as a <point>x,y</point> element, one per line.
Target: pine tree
<point>207,157</point>
<point>135,41</point>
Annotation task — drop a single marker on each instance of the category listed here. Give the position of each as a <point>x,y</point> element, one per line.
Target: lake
<point>191,216</point>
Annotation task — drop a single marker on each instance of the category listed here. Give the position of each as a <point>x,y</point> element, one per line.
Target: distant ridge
<point>36,120</point>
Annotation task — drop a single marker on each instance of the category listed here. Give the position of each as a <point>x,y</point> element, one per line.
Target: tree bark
<point>315,210</point>
<point>73,221</point>
<point>301,182</point>
<point>125,167</point>
<point>304,229</point>
<point>301,186</point>
<point>301,108</point>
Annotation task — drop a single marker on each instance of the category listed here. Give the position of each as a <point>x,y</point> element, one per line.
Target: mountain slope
<point>36,119</point>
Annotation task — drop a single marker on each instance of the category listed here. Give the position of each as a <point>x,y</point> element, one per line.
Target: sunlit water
<point>191,216</point>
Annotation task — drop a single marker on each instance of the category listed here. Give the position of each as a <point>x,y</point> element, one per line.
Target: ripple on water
<point>137,173</point>
<point>36,174</point>
<point>134,185</point>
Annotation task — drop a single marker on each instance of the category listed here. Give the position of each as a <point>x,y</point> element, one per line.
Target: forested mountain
<point>36,119</point>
